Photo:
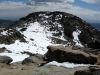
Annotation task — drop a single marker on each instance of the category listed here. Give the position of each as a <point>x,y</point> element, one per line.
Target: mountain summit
<point>37,30</point>
<point>63,27</point>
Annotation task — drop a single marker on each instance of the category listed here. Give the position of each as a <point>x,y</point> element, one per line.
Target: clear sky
<point>89,10</point>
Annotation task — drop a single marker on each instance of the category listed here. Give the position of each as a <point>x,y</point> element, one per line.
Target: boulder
<point>5,59</point>
<point>92,70</point>
<point>2,49</point>
<point>66,54</point>
<point>36,59</point>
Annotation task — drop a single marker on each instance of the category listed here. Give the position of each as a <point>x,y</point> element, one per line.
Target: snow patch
<point>15,57</point>
<point>66,64</point>
<point>44,15</point>
<point>4,33</point>
<point>76,39</point>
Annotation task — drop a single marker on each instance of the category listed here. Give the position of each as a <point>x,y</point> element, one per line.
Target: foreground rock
<point>65,54</point>
<point>5,59</point>
<point>35,59</point>
<point>92,70</point>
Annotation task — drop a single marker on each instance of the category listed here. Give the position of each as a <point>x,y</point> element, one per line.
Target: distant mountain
<point>96,25</point>
<point>6,23</point>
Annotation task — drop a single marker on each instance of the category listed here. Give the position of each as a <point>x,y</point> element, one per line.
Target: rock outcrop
<point>10,36</point>
<point>2,49</point>
<point>5,59</point>
<point>65,54</point>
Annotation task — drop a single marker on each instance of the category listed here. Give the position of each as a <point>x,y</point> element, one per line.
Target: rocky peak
<point>61,25</point>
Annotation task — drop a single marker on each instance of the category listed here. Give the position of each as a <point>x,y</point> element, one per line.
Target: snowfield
<point>37,38</point>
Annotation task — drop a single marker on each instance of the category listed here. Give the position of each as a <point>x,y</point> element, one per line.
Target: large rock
<point>5,59</point>
<point>35,59</point>
<point>92,70</point>
<point>66,54</point>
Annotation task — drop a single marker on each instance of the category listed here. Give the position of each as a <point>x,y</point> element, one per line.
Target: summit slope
<point>62,25</point>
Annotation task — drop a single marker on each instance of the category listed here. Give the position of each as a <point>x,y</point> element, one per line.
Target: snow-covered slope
<point>37,37</point>
<point>40,30</point>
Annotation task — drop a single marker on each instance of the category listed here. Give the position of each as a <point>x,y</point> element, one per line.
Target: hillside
<point>62,22</point>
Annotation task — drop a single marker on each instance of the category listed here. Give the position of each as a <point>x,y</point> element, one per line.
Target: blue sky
<point>88,10</point>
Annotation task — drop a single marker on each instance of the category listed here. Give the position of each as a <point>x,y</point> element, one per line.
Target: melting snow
<point>76,39</point>
<point>66,64</point>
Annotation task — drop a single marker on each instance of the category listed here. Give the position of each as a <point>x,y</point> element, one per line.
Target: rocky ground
<point>31,69</point>
<point>30,66</point>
